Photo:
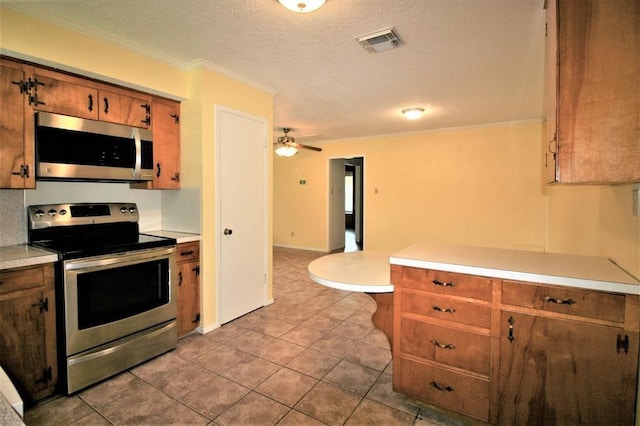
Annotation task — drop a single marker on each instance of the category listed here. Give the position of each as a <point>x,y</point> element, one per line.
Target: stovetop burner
<point>89,229</point>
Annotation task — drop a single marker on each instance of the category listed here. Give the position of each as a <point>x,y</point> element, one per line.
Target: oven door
<point>113,296</point>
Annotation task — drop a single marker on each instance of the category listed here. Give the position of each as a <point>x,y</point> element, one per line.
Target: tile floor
<point>312,357</point>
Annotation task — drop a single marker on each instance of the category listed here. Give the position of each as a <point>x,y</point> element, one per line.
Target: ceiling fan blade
<point>313,148</point>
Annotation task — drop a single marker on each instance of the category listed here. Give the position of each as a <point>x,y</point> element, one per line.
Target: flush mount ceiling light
<point>413,113</point>
<point>302,6</point>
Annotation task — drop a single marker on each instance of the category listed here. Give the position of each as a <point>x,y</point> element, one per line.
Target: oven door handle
<point>120,259</point>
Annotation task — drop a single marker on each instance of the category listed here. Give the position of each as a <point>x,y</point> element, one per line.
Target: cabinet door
<point>599,83</point>
<point>188,297</point>
<point>124,109</point>
<point>166,143</point>
<point>550,148</point>
<point>65,97</point>
<point>556,371</point>
<point>24,342</point>
<point>16,126</point>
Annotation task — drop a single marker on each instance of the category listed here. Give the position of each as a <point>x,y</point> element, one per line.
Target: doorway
<point>346,204</point>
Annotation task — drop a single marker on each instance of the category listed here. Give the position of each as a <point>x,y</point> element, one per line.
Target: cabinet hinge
<point>43,305</point>
<point>24,171</point>
<point>196,270</point>
<point>47,376</point>
<point>32,87</point>
<point>622,343</point>
<point>176,118</point>
<point>24,88</point>
<point>196,319</point>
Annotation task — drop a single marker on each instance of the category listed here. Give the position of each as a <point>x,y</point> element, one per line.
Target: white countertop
<point>364,271</point>
<point>181,237</point>
<point>589,272</point>
<point>21,255</point>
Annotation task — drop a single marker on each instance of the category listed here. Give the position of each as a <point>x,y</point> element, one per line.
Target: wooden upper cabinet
<point>17,160</point>
<point>69,95</point>
<point>166,143</point>
<point>64,96</point>
<point>598,90</point>
<point>124,108</point>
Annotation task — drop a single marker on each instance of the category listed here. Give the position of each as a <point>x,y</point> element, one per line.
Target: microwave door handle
<point>137,172</point>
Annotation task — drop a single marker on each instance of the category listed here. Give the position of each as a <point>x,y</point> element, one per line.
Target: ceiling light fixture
<point>413,113</point>
<point>285,150</point>
<point>302,6</point>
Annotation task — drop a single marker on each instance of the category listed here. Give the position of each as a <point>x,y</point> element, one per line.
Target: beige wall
<point>200,89</point>
<point>478,186</point>
<point>210,89</point>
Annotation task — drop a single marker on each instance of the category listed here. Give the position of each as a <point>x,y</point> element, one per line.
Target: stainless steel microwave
<point>71,148</point>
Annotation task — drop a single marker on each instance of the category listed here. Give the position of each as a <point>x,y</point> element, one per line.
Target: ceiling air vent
<point>380,41</point>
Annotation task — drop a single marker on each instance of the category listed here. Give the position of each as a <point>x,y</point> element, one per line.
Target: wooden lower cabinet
<point>188,287</point>
<point>442,340</point>
<point>564,372</point>
<point>532,354</point>
<point>28,330</point>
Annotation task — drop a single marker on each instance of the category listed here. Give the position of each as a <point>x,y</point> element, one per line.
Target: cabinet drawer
<point>565,300</point>
<point>447,283</point>
<point>21,279</point>
<point>443,308</point>
<point>455,391</point>
<point>188,251</point>
<point>450,346</point>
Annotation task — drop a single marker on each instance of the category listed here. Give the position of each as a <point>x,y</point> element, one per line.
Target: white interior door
<point>242,212</point>
<point>336,203</point>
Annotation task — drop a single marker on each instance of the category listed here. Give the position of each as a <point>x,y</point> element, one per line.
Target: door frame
<point>218,110</point>
<point>330,205</point>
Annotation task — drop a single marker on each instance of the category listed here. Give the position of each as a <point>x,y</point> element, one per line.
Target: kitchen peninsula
<point>508,335</point>
<point>503,335</point>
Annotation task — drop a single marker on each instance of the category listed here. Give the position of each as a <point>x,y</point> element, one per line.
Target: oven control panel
<point>50,215</point>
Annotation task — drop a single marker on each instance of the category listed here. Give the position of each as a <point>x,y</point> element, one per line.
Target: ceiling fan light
<point>302,6</point>
<point>413,113</point>
<point>286,150</point>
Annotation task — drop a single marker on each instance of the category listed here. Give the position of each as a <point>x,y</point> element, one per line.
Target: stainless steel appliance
<point>71,148</point>
<point>115,288</point>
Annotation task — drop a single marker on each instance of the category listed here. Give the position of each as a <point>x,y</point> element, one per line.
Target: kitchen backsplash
<point>13,218</point>
<point>170,210</point>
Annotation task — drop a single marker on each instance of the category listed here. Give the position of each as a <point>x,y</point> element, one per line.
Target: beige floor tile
<point>214,397</point>
<point>334,345</point>
<point>302,336</point>
<point>253,409</point>
<point>296,418</point>
<point>287,386</point>
<point>221,359</point>
<point>373,413</point>
<point>136,407</point>
<point>313,363</point>
<point>280,351</point>
<point>250,371</point>
<point>369,356</point>
<point>329,404</point>
<point>176,414</point>
<point>104,393</point>
<point>182,380</point>
<point>352,377</point>
<point>61,411</point>
<point>382,392</point>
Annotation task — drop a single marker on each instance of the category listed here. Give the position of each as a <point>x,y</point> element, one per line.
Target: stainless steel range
<point>115,288</point>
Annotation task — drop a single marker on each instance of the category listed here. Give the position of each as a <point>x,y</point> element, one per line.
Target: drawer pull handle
<point>441,346</point>
<point>444,284</point>
<point>186,253</point>
<point>446,310</point>
<point>440,388</point>
<point>558,301</point>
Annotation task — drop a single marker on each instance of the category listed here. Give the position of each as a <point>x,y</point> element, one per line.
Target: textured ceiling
<point>467,62</point>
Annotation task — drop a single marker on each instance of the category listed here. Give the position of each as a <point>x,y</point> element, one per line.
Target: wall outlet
<point>293,234</point>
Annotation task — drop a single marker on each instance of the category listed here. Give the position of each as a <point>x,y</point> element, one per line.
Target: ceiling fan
<point>288,147</point>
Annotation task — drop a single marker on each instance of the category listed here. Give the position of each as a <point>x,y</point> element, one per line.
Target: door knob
<point>228,231</point>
